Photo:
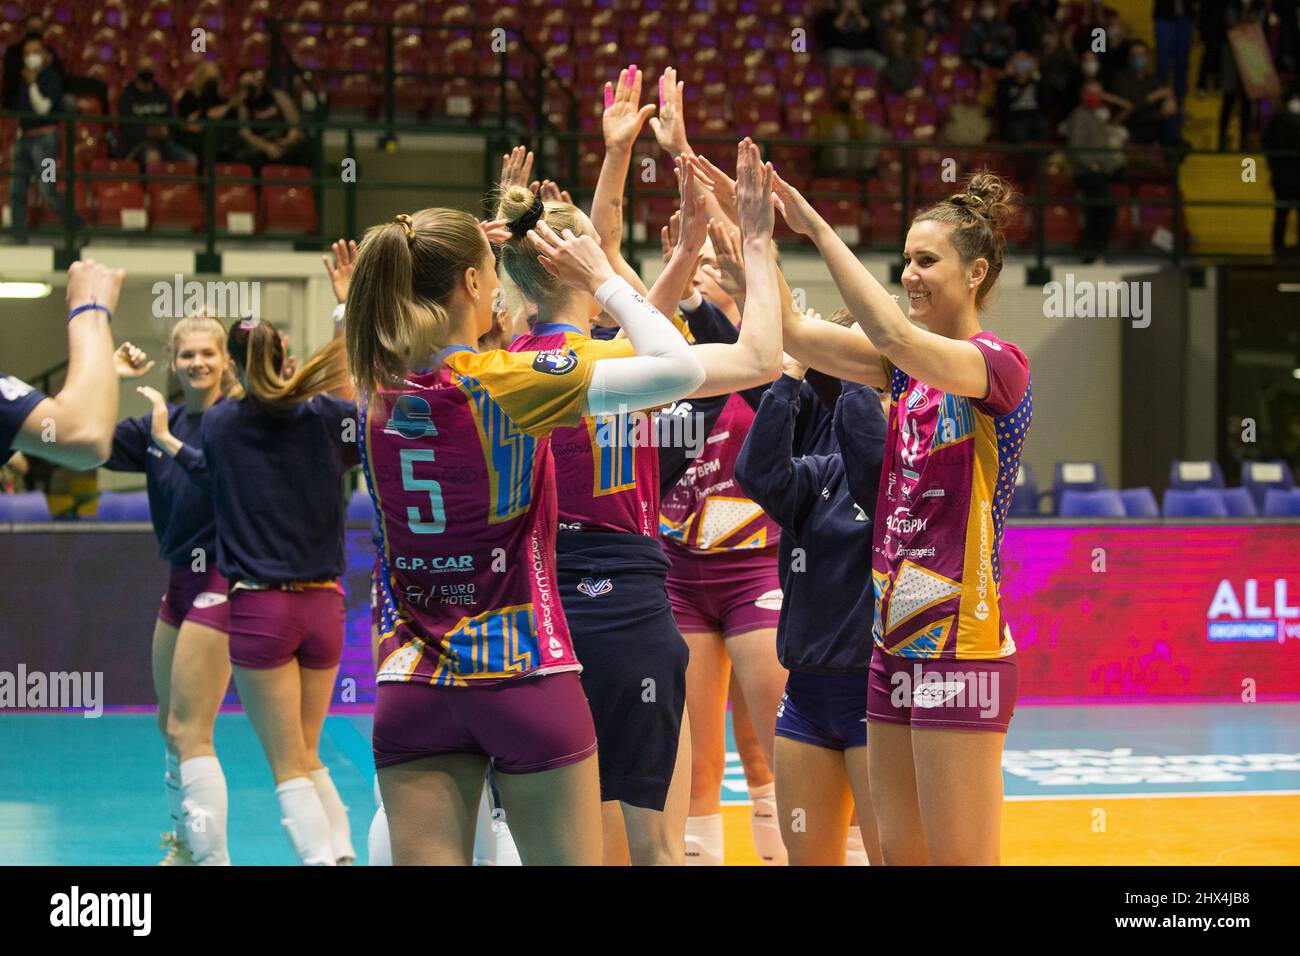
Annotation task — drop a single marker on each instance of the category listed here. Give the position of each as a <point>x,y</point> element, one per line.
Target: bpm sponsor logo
<point>1231,619</point>
<point>903,524</point>
<point>983,570</point>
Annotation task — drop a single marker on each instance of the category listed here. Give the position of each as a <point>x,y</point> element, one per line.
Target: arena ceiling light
<point>1288,287</point>
<point>24,290</point>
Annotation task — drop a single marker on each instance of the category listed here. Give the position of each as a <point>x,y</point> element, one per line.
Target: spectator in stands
<point>33,29</point>
<point>1174,43</point>
<point>36,149</point>
<point>1284,134</point>
<point>838,132</point>
<point>934,19</point>
<point>1155,113</point>
<point>1061,78</point>
<point>847,36</point>
<point>1236,13</point>
<point>143,98</point>
<point>989,41</point>
<point>1020,108</point>
<point>202,99</point>
<point>903,67</point>
<point>1210,23</point>
<point>895,18</point>
<point>270,133</point>
<point>1030,19</point>
<point>1090,68</point>
<point>1097,124</point>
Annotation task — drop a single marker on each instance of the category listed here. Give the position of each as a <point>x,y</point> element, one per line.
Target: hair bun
<point>988,196</point>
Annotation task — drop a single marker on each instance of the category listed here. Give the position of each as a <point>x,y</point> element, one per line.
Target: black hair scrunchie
<point>532,217</point>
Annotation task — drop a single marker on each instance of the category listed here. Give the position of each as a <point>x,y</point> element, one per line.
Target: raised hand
<point>670,124</point>
<point>577,261</point>
<point>517,167</point>
<point>130,362</point>
<point>496,230</point>
<point>694,220</point>
<point>798,212</point>
<point>551,192</point>
<point>159,422</point>
<point>93,282</point>
<point>754,191</point>
<point>340,270</point>
<point>623,119</point>
<point>729,272</point>
<point>717,182</point>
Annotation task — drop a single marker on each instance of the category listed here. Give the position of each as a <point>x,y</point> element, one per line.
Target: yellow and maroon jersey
<point>945,485</point>
<point>458,463</point>
<point>706,510</point>
<point>607,467</point>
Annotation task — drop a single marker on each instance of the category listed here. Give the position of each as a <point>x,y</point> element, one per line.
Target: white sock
<point>704,840</point>
<point>305,821</point>
<point>855,852</point>
<point>172,782</point>
<point>765,826</point>
<point>203,804</point>
<point>493,844</point>
<point>378,843</point>
<point>340,826</point>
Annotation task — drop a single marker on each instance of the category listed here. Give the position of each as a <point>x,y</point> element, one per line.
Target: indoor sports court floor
<point>1100,785</point>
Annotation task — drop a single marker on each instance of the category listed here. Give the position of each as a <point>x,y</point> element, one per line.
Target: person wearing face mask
<point>847,36</point>
<point>202,99</point>
<point>270,133</point>
<point>1283,133</point>
<point>1236,13</point>
<point>1019,105</point>
<point>142,99</point>
<point>1095,129</point>
<point>33,29</point>
<point>1155,112</point>
<point>989,42</point>
<point>38,135</point>
<point>835,130</point>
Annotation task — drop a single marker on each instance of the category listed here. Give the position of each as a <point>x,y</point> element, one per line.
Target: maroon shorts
<point>271,627</point>
<point>953,695</point>
<point>729,591</point>
<point>197,596</point>
<point>525,725</point>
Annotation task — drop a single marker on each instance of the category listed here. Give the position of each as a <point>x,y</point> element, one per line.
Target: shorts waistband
<point>612,550</point>
<point>246,585</point>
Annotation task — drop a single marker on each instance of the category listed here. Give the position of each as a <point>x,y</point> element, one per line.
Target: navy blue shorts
<point>633,658</point>
<point>825,710</point>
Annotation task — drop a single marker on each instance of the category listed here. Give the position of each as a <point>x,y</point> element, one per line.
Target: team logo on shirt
<point>13,389</point>
<point>410,418</point>
<point>770,600</point>
<point>594,588</point>
<point>208,599</point>
<point>555,363</point>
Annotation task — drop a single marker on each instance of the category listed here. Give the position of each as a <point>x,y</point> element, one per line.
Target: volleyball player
<point>960,410</point>
<point>821,739</point>
<point>451,694</point>
<point>191,658</point>
<point>275,462</point>
<point>75,427</point>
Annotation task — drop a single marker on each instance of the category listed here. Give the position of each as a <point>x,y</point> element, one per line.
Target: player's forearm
<point>85,410</point>
<point>666,292</point>
<point>760,332</point>
<point>873,308</point>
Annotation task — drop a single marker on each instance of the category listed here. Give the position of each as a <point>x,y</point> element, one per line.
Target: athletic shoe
<point>178,854</point>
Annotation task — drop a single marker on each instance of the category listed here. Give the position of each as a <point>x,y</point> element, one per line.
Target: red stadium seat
<point>1062,227</point>
<point>239,199</point>
<point>174,204</point>
<point>114,196</point>
<point>287,202</point>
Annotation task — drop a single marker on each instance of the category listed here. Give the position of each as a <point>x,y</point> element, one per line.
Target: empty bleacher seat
<point>1024,497</point>
<point>1139,503</point>
<point>1195,503</point>
<point>25,506</point>
<point>1239,502</point>
<point>1103,503</point>
<point>123,506</point>
<point>1260,476</point>
<point>1195,474</point>
<point>174,204</point>
<point>1282,502</point>
<point>287,201</point>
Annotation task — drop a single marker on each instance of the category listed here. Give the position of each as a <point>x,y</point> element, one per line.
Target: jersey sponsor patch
<point>770,600</point>
<point>206,599</point>
<point>555,363</point>
<point>12,389</point>
<point>411,418</point>
<point>594,588</point>
<point>936,694</point>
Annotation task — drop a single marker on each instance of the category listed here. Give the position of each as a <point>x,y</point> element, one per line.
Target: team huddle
<point>566,593</point>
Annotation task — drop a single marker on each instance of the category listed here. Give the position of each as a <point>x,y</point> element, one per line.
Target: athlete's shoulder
<point>1008,370</point>
<point>513,369</point>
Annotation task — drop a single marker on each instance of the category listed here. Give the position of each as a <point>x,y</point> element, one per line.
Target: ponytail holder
<point>967,199</point>
<point>407,224</point>
<point>519,227</point>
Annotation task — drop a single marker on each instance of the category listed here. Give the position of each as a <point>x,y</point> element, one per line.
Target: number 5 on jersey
<point>414,521</point>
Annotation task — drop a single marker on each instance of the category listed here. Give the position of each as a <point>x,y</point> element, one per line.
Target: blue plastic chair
<point>1196,503</point>
<point>123,506</point>
<point>1239,503</point>
<point>1185,475</point>
<point>1260,476</point>
<point>1139,503</point>
<point>1076,476</point>
<point>1024,496</point>
<point>1282,503</point>
<point>1092,504</point>
<point>360,507</point>
<point>26,506</point>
